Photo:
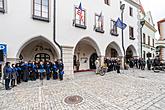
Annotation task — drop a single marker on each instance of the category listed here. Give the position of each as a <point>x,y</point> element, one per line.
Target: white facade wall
<point>17,27</point>
<point>149,48</point>
<point>73,35</point>
<point>149,31</point>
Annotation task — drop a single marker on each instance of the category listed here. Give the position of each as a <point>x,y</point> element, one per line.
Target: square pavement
<point>131,90</point>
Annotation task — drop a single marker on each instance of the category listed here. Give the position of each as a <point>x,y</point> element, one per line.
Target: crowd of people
<point>32,70</point>
<point>114,64</point>
<point>141,63</point>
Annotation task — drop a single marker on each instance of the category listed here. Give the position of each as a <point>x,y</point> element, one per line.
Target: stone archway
<point>113,50</point>
<point>130,52</point>
<point>38,48</point>
<point>84,50</point>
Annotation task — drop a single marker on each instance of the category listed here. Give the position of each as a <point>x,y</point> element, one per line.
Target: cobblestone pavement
<point>130,90</point>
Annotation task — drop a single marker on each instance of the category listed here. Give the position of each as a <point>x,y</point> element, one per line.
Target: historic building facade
<point>80,30</point>
<point>161,42</point>
<point>148,37</point>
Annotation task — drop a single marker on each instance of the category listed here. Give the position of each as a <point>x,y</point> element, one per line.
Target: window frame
<point>100,28</point>
<point>149,40</point>
<point>113,28</point>
<point>41,18</point>
<point>144,38</point>
<point>131,11</point>
<point>153,42</point>
<point>144,54</point>
<point>41,56</point>
<point>107,2</point>
<point>2,9</point>
<point>131,33</point>
<point>79,25</point>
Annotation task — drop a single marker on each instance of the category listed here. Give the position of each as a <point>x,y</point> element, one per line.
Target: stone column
<point>68,62</point>
<point>101,59</point>
<point>122,62</point>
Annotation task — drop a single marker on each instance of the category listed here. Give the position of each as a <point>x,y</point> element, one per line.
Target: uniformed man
<point>25,71</point>
<point>34,71</point>
<point>41,70</point>
<point>48,70</point>
<point>61,70</point>
<point>55,69</point>
<point>7,75</point>
<point>18,73</point>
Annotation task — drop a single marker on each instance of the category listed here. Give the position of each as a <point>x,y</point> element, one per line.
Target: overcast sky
<point>157,9</point>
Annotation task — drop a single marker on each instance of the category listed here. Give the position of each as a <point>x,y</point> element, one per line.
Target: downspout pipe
<point>54,30</point>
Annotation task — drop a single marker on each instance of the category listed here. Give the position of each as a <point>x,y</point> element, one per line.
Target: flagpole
<point>122,7</point>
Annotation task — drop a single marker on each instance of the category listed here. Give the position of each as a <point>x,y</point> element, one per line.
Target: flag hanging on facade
<point>120,24</point>
<point>80,12</point>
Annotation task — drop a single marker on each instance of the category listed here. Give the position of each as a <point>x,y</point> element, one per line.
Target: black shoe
<point>8,89</point>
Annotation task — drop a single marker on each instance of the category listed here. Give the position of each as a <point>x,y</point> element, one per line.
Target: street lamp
<point>122,7</point>
<point>142,22</point>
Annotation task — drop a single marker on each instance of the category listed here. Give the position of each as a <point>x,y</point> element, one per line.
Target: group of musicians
<point>32,70</point>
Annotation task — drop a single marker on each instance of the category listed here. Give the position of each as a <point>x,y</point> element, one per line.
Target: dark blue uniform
<point>48,71</point>
<point>34,71</point>
<point>7,75</point>
<point>25,68</point>
<point>13,76</point>
<point>61,70</point>
<point>18,68</point>
<point>41,71</point>
<point>54,69</point>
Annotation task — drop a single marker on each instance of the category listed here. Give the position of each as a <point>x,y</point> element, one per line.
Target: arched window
<point>42,57</point>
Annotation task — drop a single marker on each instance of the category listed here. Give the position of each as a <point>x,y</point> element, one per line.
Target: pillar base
<point>68,62</point>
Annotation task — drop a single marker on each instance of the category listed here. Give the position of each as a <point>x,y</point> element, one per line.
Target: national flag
<point>80,12</point>
<point>120,24</point>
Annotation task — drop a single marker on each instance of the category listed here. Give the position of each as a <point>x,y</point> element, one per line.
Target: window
<point>99,22</point>
<point>2,7</point>
<point>131,33</point>
<point>130,11</point>
<point>148,40</point>
<point>144,55</point>
<point>153,43</point>
<point>42,57</point>
<point>113,30</point>
<point>107,2</point>
<point>41,10</point>
<point>80,17</point>
<point>144,38</point>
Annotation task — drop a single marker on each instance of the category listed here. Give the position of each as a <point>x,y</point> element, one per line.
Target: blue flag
<point>120,24</point>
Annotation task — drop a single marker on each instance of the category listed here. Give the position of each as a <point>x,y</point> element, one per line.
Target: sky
<point>157,9</point>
